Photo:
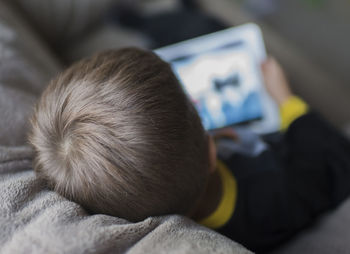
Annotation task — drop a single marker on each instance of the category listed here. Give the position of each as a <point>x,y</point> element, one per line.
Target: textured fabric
<point>35,220</point>
<point>102,38</point>
<point>316,179</point>
<point>61,21</point>
<point>281,191</point>
<point>249,144</point>
<point>75,28</point>
<point>26,65</point>
<point>328,235</point>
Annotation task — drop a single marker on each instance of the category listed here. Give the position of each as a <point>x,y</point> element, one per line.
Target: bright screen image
<point>223,84</point>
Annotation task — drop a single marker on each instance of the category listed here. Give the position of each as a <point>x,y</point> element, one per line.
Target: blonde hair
<point>117,134</point>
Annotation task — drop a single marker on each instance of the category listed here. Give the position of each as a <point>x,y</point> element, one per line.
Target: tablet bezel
<point>251,35</point>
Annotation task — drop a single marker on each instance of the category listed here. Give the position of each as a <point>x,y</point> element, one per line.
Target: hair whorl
<point>116,133</point>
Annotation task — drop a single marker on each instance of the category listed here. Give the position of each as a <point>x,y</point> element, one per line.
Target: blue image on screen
<point>223,84</point>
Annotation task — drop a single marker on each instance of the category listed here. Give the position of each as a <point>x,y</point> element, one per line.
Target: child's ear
<point>212,154</point>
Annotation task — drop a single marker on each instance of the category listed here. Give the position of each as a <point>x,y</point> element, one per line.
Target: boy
<point>116,133</point>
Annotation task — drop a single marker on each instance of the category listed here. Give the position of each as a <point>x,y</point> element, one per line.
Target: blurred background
<point>319,28</point>
<point>310,38</point>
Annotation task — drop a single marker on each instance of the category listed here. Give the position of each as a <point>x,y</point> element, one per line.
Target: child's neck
<point>210,199</point>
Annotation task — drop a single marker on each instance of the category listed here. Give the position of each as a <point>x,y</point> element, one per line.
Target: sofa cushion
<point>61,21</point>
<point>25,68</point>
<point>329,234</point>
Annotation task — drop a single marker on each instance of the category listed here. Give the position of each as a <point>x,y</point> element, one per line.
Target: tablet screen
<point>220,73</point>
<point>222,84</point>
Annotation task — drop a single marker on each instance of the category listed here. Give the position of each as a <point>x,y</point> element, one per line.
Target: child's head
<point>116,133</point>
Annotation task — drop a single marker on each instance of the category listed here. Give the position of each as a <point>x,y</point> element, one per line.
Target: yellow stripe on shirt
<point>290,110</point>
<point>225,209</point>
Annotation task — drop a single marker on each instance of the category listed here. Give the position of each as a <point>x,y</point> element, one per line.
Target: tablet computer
<point>220,72</point>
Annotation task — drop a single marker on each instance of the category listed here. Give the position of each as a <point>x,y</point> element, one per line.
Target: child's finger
<point>226,133</point>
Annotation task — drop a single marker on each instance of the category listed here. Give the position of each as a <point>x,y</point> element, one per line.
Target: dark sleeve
<point>283,189</point>
<point>321,155</point>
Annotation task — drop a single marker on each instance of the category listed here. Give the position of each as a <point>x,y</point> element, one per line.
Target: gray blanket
<point>36,220</point>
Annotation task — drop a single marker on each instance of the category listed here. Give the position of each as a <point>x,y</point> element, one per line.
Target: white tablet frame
<point>251,35</point>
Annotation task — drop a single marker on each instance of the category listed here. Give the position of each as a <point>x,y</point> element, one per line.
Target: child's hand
<point>275,81</point>
<point>225,133</point>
